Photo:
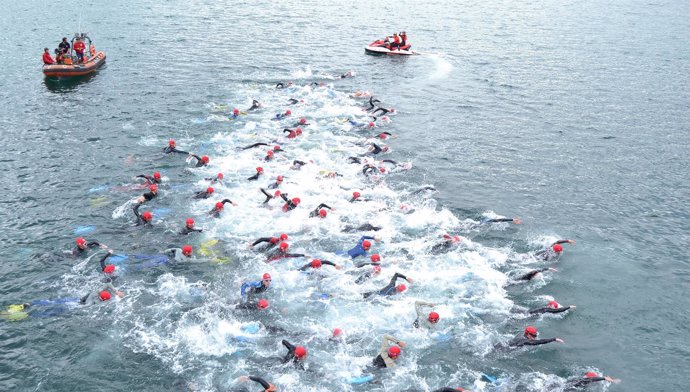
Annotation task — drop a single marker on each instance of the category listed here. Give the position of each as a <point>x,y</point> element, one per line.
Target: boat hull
<point>74,70</point>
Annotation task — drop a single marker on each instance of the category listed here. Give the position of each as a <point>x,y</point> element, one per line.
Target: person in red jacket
<point>79,48</point>
<point>395,44</point>
<point>47,58</point>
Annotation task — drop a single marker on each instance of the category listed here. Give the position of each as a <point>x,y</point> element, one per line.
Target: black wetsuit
<point>289,204</point>
<point>149,180</point>
<point>274,185</point>
<point>583,382</point>
<point>549,254</point>
<point>140,220</point>
<point>271,242</point>
<point>280,85</point>
<point>315,212</point>
<point>186,230</point>
<point>254,145</point>
<point>323,262</point>
<point>290,356</point>
<point>269,197</point>
<point>364,227</point>
<point>426,188</point>
<point>364,277</point>
<point>498,220</point>
<point>148,196</point>
<point>168,150</point>
<point>389,289</point>
<point>264,384</point>
<point>444,247</point>
<point>298,164</point>
<point>293,101</point>
<point>202,195</point>
<point>548,310</point>
<point>277,255</point>
<point>81,252</point>
<point>199,162</point>
<point>254,177</point>
<point>372,103</point>
<point>213,179</point>
<point>521,341</point>
<point>530,275</point>
<point>369,169</point>
<point>354,160</point>
<point>375,151</point>
<point>216,212</point>
<point>103,259</point>
<point>255,105</point>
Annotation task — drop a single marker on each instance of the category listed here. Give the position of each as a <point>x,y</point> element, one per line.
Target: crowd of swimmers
<point>366,263</point>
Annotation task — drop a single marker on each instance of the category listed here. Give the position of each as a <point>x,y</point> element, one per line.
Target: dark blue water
<point>572,116</point>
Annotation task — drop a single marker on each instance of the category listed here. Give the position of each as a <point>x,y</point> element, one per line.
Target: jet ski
<point>380,47</point>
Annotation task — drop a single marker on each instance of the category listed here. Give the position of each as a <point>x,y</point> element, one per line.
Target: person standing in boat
<point>79,48</point>
<point>47,59</point>
<point>64,46</point>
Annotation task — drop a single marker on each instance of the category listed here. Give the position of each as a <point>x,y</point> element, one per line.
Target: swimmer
<point>589,378</point>
<point>375,149</point>
<point>261,304</point>
<point>292,133</point>
<point>532,274</point>
<point>347,74</point>
<point>150,180</point>
<point>316,264</point>
<point>372,103</point>
<point>529,338</point>
<point>104,293</point>
<point>281,85</point>
<point>179,254</point>
<point>447,245</point>
<point>269,197</point>
<point>204,194</point>
<point>362,247</point>
<point>189,227</point>
<point>427,321</point>
<point>253,146</point>
<point>551,307</point>
<point>364,227</point>
<point>143,219</point>
<point>289,204</point>
<point>270,241</point>
<point>251,288</point>
<point>391,288</point>
<point>552,252</point>
<point>255,105</point>
<point>218,208</point>
<point>355,197</point>
<point>235,114</point>
<point>281,253</point>
<point>354,160</point>
<point>200,161</point>
<point>107,269</point>
<point>375,260</point>
<point>375,271</point>
<point>267,386</point>
<point>302,122</point>
<point>295,354</point>
<point>320,211</point>
<point>385,135</point>
<point>277,149</point>
<point>259,171</point>
<point>388,353</point>
<point>217,179</point>
<point>426,188</point>
<point>83,246</point>
<point>148,196</point>
<point>276,185</point>
<point>269,156</point>
<point>172,148</point>
<point>281,116</point>
<point>293,101</point>
<point>360,94</point>
<point>296,165</point>
<point>516,221</point>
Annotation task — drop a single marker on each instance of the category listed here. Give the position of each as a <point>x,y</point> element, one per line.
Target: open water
<point>573,116</point>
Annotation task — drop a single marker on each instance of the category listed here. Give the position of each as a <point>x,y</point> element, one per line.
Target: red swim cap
<point>296,200</point>
<point>219,205</point>
<point>153,188</point>
<point>262,304</point>
<point>276,194</point>
<point>81,241</point>
<point>371,124</point>
<point>260,169</point>
<point>300,352</point>
<point>283,237</point>
<point>220,176</point>
<point>393,352</point>
<point>591,375</point>
<point>553,305</point>
<point>266,276</point>
<point>366,244</point>
<point>109,269</point>
<point>276,148</point>
<point>235,111</point>
<point>400,288</point>
<point>382,169</point>
<point>288,112</point>
<point>558,248</point>
<point>279,178</point>
<point>433,317</point>
<point>530,330</point>
<point>147,216</point>
<point>156,175</point>
<point>298,131</point>
<point>190,222</point>
<point>302,120</point>
<point>323,213</point>
<point>316,263</point>
<point>382,135</point>
<point>337,332</point>
<point>269,153</point>
<point>356,195</point>
<point>210,189</point>
<point>375,258</point>
<point>204,159</point>
<point>171,142</point>
<point>284,246</point>
<point>376,269</point>
<point>104,295</point>
<point>187,250</point>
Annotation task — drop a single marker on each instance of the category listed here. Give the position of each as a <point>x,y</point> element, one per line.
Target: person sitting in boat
<point>403,39</point>
<point>79,48</point>
<point>64,46</point>
<point>47,58</point>
<point>387,43</point>
<point>59,57</point>
<point>395,44</point>
<point>68,59</point>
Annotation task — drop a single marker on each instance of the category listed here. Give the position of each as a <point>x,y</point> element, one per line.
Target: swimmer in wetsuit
<point>295,354</point>
<point>277,184</point>
<point>150,180</point>
<point>281,253</point>
<point>253,146</point>
<point>364,227</point>
<point>551,307</point>
<point>255,105</point>
<point>270,241</point>
<point>426,188</point>
<point>296,164</point>
<point>529,338</point>
<point>376,270</point>
<point>267,386</point>
<point>269,197</point>
<point>361,248</point>
<point>148,196</point>
<point>83,246</point>
<point>318,211</point>
<point>262,304</point>
<point>200,161</point>
<point>588,379</point>
<point>316,264</point>
<point>289,204</point>
<point>101,295</point>
<point>281,85</point>
<point>172,148</point>
<point>302,122</point>
<point>552,252</point>
<point>530,275</point>
<point>391,288</point>
<point>218,208</point>
<point>427,321</point>
<point>143,219</point>
<point>292,133</point>
<point>204,194</point>
<point>388,353</point>
<point>281,116</point>
<point>516,221</point>
<point>189,227</point>
<point>259,171</point>
<point>217,179</point>
<point>447,245</point>
<point>249,289</point>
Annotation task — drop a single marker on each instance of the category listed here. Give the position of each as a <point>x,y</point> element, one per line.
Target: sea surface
<point>573,116</point>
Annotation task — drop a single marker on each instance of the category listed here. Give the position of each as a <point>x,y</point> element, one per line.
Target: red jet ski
<point>380,47</point>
